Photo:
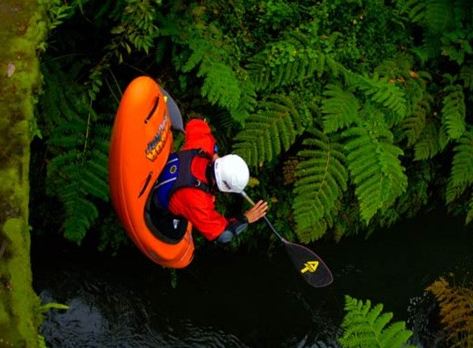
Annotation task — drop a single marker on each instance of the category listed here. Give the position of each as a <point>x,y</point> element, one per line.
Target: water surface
<point>248,299</point>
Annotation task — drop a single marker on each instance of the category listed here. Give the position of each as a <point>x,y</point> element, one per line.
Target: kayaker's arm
<point>234,228</point>
<point>239,224</point>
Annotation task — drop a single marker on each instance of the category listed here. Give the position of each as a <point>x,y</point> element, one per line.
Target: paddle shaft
<point>243,193</point>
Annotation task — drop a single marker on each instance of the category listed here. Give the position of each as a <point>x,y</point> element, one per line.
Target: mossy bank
<point>22,30</point>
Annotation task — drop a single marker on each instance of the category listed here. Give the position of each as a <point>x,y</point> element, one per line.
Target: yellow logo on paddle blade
<point>310,266</point>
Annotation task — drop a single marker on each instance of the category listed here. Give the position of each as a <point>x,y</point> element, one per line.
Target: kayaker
<point>191,178</point>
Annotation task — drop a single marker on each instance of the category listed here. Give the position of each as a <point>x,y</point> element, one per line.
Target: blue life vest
<point>177,174</point>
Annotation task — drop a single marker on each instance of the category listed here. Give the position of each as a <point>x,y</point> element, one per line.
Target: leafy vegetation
<point>367,326</point>
<point>456,311</point>
<point>372,99</point>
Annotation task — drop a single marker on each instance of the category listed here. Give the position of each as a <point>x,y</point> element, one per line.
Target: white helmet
<point>231,173</point>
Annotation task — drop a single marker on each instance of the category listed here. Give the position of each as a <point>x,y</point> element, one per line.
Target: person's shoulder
<point>197,125</point>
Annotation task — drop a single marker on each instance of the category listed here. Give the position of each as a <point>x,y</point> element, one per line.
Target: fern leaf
<point>439,15</point>
<point>312,232</point>
<point>77,171</point>
<point>247,102</point>
<point>416,10</point>
<point>382,92</point>
<point>365,326</point>
<point>221,85</point>
<point>375,168</point>
<point>431,141</point>
<point>80,214</point>
<point>462,167</point>
<point>340,109</point>
<point>200,48</point>
<point>321,180</point>
<point>270,131</point>
<point>453,112</point>
<point>456,311</point>
<point>294,58</point>
<point>415,124</point>
<point>284,64</point>
<point>466,74</point>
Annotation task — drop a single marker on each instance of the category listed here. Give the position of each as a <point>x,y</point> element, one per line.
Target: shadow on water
<point>225,300</point>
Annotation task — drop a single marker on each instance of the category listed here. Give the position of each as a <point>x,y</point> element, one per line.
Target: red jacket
<point>196,205</point>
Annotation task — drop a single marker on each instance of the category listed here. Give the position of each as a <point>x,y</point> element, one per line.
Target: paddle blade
<point>174,112</point>
<point>310,266</point>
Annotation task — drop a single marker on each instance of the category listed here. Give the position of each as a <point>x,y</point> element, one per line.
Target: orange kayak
<point>139,148</point>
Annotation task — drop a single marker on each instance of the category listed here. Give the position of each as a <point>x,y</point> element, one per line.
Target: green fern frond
<point>375,168</point>
<point>80,215</point>
<point>247,102</point>
<point>432,141</point>
<point>416,10</point>
<point>439,15</point>
<point>366,327</point>
<point>382,92</point>
<point>435,15</point>
<point>462,167</point>
<point>453,111</point>
<point>136,27</point>
<point>270,131</point>
<point>321,180</point>
<point>221,85</point>
<point>294,58</point>
<point>466,74</point>
<point>396,67</point>
<point>340,108</point>
<point>284,65</point>
<point>413,125</point>
<point>77,171</point>
<point>307,233</point>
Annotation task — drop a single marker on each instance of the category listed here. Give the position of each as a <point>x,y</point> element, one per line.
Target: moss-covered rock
<point>22,29</point>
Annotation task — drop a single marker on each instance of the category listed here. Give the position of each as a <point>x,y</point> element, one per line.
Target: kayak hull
<point>140,145</point>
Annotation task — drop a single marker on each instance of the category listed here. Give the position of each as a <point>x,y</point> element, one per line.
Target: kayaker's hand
<point>256,212</point>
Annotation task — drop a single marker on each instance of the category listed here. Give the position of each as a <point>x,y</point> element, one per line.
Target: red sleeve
<point>199,208</point>
<point>199,136</point>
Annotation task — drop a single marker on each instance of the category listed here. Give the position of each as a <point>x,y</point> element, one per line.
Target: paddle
<point>310,266</point>
<point>174,112</point>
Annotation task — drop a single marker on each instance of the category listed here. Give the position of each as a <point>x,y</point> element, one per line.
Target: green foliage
<point>77,170</point>
<point>59,11</point>
<point>431,141</point>
<point>461,175</point>
<point>447,27</point>
<point>383,92</point>
<point>135,28</point>
<point>365,326</point>
<point>321,180</point>
<point>384,89</point>
<point>210,55</point>
<point>294,58</point>
<point>414,124</point>
<point>271,130</point>
<point>340,108</point>
<point>375,168</point>
<point>466,74</point>
<point>456,312</point>
<point>453,111</point>
<point>221,85</point>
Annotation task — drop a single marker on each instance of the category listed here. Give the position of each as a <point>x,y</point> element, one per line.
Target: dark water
<point>247,300</point>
